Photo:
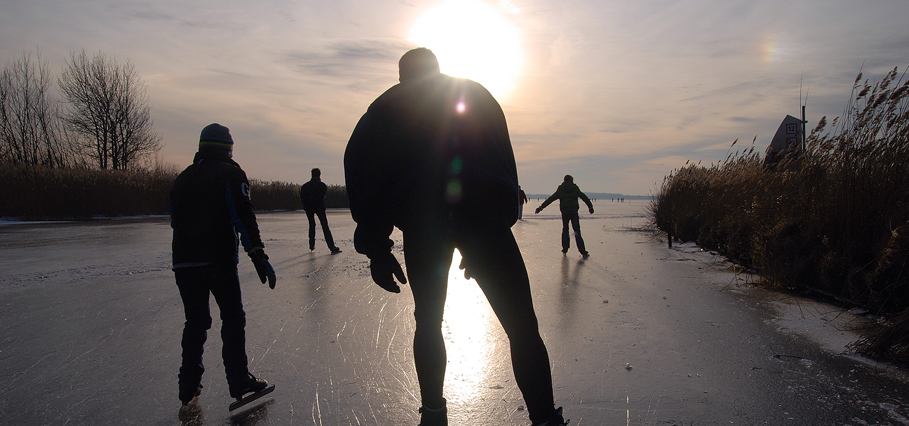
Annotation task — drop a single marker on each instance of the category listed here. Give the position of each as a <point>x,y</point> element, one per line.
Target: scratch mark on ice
<point>317,411</point>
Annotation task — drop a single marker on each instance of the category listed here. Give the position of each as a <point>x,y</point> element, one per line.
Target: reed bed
<point>832,219</point>
<point>44,193</point>
<point>273,196</point>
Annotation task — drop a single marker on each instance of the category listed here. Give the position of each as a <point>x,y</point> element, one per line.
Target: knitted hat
<point>216,136</point>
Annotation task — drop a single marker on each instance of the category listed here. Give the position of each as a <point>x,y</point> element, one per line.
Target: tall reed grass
<point>43,193</point>
<point>40,193</point>
<point>272,196</point>
<point>832,219</point>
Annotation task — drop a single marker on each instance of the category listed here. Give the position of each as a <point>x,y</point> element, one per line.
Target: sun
<point>472,40</point>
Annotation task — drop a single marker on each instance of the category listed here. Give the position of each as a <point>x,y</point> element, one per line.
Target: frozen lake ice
<point>638,334</point>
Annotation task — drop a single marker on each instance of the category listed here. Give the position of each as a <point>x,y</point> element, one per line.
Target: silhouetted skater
<point>568,194</point>
<point>522,199</point>
<point>312,194</point>
<point>432,156</point>
<point>209,208</point>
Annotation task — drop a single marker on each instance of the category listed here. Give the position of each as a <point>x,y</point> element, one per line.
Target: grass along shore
<point>832,221</point>
<point>44,193</point>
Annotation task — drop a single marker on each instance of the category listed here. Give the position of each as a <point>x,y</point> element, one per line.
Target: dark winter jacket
<point>211,212</point>
<point>435,148</point>
<point>312,194</point>
<point>567,194</point>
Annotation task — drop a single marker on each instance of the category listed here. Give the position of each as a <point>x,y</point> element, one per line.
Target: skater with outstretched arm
<point>567,194</point>
<point>432,157</point>
<point>211,214</point>
<point>312,195</point>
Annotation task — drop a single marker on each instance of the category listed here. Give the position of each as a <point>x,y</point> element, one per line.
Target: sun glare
<point>472,40</point>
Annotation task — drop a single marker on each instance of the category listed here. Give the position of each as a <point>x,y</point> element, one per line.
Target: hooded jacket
<point>211,213</point>
<point>567,194</point>
<point>433,149</point>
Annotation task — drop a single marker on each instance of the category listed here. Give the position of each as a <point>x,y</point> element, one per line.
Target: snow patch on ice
<point>830,326</point>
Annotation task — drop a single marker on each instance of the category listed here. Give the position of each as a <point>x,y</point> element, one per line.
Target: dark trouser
<point>571,215</point>
<point>325,231</point>
<point>195,284</point>
<point>494,260</point>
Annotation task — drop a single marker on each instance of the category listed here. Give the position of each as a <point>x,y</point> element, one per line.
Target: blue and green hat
<point>216,136</point>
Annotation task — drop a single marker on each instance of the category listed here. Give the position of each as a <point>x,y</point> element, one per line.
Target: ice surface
<point>639,334</point>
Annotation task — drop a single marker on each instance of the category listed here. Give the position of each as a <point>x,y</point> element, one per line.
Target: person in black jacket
<point>210,215</point>
<point>312,194</point>
<point>522,199</point>
<point>432,156</point>
<point>568,193</point>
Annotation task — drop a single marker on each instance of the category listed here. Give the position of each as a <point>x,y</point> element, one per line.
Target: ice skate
<point>256,388</point>
<point>187,395</point>
<point>556,420</point>
<point>188,408</point>
<point>434,417</point>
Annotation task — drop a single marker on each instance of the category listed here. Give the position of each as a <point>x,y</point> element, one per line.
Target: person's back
<point>210,207</point>
<point>201,215</point>
<point>312,195</point>
<point>444,150</point>
<point>432,156</point>
<point>568,194</point>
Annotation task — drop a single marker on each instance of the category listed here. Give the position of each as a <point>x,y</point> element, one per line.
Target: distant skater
<point>312,194</point>
<point>568,194</point>
<point>432,156</point>
<point>209,208</point>
<point>522,199</point>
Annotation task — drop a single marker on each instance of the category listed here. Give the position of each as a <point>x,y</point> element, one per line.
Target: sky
<point>616,93</point>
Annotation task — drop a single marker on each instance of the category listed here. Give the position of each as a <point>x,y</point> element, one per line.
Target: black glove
<point>384,269</point>
<point>263,268</point>
<point>591,210</point>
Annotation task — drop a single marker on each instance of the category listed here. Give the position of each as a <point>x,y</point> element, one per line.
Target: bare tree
<point>30,126</point>
<point>108,107</point>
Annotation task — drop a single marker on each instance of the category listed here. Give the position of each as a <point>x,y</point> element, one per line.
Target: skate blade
<point>251,397</point>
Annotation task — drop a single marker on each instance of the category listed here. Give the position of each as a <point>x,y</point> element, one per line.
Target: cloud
<point>742,119</point>
<point>746,86</point>
<point>348,58</point>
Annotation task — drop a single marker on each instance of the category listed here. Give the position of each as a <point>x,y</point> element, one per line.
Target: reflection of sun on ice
<point>472,40</point>
<point>468,328</point>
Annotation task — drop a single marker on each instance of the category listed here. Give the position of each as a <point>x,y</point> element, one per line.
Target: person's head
<point>417,63</point>
<point>216,138</point>
<point>316,172</point>
<point>569,178</point>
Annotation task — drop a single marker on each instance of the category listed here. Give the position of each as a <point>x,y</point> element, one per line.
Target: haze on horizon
<point>617,94</point>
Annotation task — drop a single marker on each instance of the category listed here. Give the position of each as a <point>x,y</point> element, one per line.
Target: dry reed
<point>832,220</point>
<point>44,193</point>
